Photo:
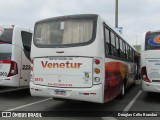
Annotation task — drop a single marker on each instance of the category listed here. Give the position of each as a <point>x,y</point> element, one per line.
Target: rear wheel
<point>122,92</point>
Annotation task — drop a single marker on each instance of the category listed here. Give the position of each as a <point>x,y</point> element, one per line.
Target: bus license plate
<point>60,92</point>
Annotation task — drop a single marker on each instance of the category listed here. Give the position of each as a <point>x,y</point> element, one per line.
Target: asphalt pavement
<point>20,100</point>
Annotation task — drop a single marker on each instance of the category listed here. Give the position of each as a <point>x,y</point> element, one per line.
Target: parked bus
<point>80,57</point>
<point>15,44</point>
<point>150,62</point>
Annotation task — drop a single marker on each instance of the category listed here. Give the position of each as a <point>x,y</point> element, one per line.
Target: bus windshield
<point>71,31</point>
<point>6,36</point>
<point>152,41</point>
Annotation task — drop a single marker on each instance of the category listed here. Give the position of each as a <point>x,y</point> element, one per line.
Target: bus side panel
<point>25,70</point>
<point>114,76</point>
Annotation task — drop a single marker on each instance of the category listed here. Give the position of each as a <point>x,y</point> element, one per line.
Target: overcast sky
<point>135,16</point>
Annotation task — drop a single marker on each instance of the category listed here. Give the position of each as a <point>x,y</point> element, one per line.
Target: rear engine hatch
<point>153,69</point>
<point>63,71</point>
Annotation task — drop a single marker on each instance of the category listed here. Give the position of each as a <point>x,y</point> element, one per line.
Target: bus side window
<point>121,48</point>
<point>124,50</point>
<point>113,48</point>
<point>130,54</point>
<point>133,56</point>
<point>26,40</point>
<point>117,47</point>
<point>107,42</point>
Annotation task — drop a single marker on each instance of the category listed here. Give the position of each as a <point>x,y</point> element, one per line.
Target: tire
<point>122,94</point>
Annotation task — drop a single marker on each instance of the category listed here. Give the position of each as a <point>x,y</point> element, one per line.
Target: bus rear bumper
<point>93,94</point>
<point>10,81</point>
<point>150,87</point>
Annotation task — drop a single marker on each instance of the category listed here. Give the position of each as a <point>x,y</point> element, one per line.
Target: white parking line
<point>132,101</point>
<point>16,108</point>
<point>3,91</point>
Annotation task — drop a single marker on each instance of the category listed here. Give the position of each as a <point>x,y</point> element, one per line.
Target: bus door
<point>26,62</point>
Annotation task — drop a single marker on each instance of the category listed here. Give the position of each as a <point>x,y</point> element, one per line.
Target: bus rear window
<point>6,36</point>
<point>64,32</point>
<point>152,41</point>
<point>5,56</point>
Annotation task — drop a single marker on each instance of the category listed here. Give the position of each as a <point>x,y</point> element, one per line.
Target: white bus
<point>150,62</point>
<point>80,57</point>
<point>15,44</point>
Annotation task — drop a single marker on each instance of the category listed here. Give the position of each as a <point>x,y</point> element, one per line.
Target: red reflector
<point>32,88</point>
<point>97,61</point>
<point>59,51</point>
<point>86,93</point>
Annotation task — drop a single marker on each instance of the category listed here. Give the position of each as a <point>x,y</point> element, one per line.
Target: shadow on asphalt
<point>16,94</point>
<point>76,108</point>
<point>152,97</point>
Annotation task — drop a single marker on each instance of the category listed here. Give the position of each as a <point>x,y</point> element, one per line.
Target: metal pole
<point>116,14</point>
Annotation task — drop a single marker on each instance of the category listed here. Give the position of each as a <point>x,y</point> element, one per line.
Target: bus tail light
<point>32,69</point>
<point>97,67</point>
<point>144,74</point>
<point>148,32</point>
<point>97,61</point>
<point>13,69</point>
<point>32,62</point>
<point>31,74</point>
<point>97,79</point>
<point>97,70</point>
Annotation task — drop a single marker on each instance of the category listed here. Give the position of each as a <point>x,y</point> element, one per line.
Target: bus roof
<point>7,26</point>
<point>67,17</point>
<point>15,26</point>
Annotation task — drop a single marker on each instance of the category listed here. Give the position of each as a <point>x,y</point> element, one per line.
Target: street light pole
<point>116,14</point>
